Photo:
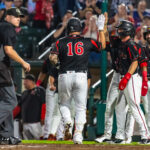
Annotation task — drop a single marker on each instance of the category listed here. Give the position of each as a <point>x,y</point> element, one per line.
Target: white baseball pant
<point>51,102</point>
<point>60,130</point>
<point>133,95</point>
<point>73,85</point>
<point>115,101</point>
<point>146,104</point>
<point>32,131</point>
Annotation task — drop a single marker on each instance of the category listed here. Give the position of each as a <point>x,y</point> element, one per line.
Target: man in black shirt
<point>32,108</point>
<point>73,52</point>
<point>7,92</point>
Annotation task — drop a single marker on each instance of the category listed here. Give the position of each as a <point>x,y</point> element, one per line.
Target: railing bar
<point>43,54</point>
<point>99,81</point>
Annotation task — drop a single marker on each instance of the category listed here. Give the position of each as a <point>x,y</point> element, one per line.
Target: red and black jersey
<point>31,104</point>
<point>125,54</point>
<point>73,52</point>
<point>147,53</point>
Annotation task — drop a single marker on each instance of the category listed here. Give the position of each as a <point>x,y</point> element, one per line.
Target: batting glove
<point>144,83</point>
<point>100,22</point>
<point>124,81</point>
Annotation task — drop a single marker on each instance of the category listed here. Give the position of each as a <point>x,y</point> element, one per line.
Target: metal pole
<point>49,35</point>
<point>43,54</point>
<point>104,62</point>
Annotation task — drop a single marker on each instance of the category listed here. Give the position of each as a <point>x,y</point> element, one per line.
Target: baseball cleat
<point>77,138</point>
<point>103,139</point>
<point>128,140</point>
<point>118,141</point>
<point>144,141</point>
<point>67,134</point>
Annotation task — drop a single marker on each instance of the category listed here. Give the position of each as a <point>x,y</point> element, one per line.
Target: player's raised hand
<point>100,22</point>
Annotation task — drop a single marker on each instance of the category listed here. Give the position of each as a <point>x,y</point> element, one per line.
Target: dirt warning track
<point>73,147</point>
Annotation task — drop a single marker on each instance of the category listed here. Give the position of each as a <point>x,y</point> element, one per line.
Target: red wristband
<point>127,76</point>
<point>144,75</point>
<point>143,64</point>
<point>38,82</point>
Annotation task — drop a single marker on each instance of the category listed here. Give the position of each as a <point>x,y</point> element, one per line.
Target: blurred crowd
<point>54,14</point>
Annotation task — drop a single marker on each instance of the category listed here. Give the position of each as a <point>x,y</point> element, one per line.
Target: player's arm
<point>143,66</point>
<point>100,25</point>
<point>134,55</point>
<point>41,77</point>
<point>102,39</point>
<point>133,67</point>
<point>127,76</point>
<point>51,83</point>
<point>13,55</point>
<point>53,57</point>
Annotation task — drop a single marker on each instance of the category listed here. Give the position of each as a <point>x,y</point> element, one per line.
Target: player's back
<point>74,52</point>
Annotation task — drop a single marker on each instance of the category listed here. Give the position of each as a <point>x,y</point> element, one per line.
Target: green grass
<point>69,142</point>
<point>53,142</point>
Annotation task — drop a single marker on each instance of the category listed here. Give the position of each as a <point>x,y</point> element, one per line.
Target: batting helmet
<point>74,25</point>
<point>127,28</point>
<point>146,31</point>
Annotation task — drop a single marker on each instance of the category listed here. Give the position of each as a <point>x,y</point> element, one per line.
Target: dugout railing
<point>96,110</point>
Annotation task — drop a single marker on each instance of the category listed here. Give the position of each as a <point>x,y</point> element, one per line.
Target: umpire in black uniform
<point>7,92</point>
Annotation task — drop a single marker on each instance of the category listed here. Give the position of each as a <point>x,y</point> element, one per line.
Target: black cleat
<point>107,140</point>
<point>4,141</point>
<point>119,141</point>
<point>145,141</point>
<point>14,140</point>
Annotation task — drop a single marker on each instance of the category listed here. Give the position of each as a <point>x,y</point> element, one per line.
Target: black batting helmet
<point>127,28</point>
<point>74,25</point>
<point>146,31</point>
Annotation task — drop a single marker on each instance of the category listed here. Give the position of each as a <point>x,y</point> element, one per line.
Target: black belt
<point>73,71</point>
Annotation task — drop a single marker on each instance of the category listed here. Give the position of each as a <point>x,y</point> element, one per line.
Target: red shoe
<point>51,137</point>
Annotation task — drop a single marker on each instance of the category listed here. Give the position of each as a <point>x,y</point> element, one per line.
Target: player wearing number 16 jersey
<point>73,52</point>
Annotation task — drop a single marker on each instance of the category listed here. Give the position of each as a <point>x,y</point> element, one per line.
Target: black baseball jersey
<point>47,67</point>
<point>73,52</point>
<point>7,38</point>
<point>124,53</point>
<point>31,104</point>
<point>147,53</point>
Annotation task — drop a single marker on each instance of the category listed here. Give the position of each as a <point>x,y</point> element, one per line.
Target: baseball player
<point>146,99</point>
<point>130,81</point>
<point>115,101</point>
<point>73,52</point>
<point>51,99</point>
<point>60,131</point>
<point>127,68</point>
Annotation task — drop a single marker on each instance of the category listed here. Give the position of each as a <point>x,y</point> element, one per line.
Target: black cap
<point>30,77</point>
<point>14,12</point>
